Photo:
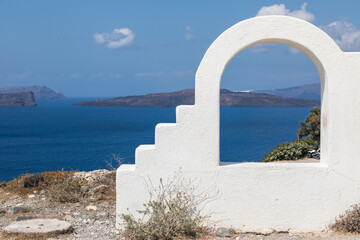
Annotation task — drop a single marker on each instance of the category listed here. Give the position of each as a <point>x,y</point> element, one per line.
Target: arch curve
<point>302,35</point>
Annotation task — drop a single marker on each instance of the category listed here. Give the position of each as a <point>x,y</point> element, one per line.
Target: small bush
<point>349,221</point>
<point>173,213</point>
<point>69,190</point>
<point>289,151</point>
<point>33,180</point>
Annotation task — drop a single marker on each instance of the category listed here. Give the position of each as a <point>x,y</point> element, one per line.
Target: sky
<point>89,48</point>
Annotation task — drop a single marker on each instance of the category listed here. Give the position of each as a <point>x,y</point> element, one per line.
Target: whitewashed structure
<point>260,197</point>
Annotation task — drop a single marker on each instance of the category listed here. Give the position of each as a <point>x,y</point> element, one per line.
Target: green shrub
<point>289,151</point>
<point>173,213</point>
<point>348,222</point>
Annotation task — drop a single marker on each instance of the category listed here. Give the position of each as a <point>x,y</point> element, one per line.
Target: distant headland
<point>21,99</point>
<point>40,92</point>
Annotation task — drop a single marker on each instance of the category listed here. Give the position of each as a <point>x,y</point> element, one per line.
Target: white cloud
<point>173,74</point>
<point>345,34</point>
<point>189,33</point>
<point>280,9</point>
<point>120,37</point>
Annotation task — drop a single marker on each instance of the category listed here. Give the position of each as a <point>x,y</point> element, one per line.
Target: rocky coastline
<point>20,99</point>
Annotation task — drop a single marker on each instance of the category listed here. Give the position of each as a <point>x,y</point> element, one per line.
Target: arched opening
<point>272,88</point>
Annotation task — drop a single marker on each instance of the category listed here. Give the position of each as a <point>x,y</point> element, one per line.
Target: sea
<point>57,135</point>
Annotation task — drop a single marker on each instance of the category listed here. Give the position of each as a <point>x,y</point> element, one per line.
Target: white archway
<point>256,197</point>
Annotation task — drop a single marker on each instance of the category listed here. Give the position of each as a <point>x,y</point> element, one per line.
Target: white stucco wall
<point>259,196</point>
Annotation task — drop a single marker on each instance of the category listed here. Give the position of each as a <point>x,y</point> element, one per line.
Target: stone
<point>224,232</point>
<point>102,189</point>
<point>92,176</point>
<point>21,218</point>
<point>31,196</point>
<point>69,218</point>
<point>91,208</point>
<point>84,189</point>
<point>103,214</point>
<point>36,226</point>
<point>16,209</point>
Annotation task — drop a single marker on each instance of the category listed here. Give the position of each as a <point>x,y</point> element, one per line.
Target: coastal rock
<point>16,209</point>
<point>31,196</point>
<point>21,218</point>
<point>92,176</point>
<point>224,232</point>
<point>91,208</point>
<point>36,226</point>
<point>20,99</point>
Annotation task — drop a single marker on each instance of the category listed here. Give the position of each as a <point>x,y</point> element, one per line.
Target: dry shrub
<point>349,221</point>
<point>173,212</point>
<point>69,190</point>
<point>27,183</point>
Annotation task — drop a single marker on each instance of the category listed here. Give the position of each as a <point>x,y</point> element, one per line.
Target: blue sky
<point>115,48</point>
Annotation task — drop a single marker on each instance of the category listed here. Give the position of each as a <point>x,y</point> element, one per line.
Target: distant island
<point>40,92</point>
<point>21,99</point>
<point>186,97</point>
<point>309,91</point>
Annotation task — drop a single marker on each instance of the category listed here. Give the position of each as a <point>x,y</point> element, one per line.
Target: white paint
<point>259,196</point>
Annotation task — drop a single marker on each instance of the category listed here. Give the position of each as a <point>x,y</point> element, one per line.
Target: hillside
<point>309,91</point>
<point>186,97</point>
<point>21,99</point>
<point>40,92</point>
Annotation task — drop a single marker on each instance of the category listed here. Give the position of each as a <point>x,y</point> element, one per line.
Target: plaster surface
<point>299,197</point>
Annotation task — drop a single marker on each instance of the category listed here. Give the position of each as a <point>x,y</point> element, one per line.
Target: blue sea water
<point>57,135</point>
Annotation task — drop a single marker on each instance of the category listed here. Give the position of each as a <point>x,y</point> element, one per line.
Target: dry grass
<point>16,186</point>
<point>61,187</point>
<point>68,190</point>
<point>173,212</point>
<point>349,222</point>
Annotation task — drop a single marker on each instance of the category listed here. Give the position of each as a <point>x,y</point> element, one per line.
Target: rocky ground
<point>89,207</point>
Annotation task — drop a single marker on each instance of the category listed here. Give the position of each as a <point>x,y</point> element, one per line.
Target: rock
<point>102,189</point>
<point>84,189</point>
<point>31,196</point>
<point>19,99</point>
<point>69,218</point>
<point>16,209</point>
<point>91,208</point>
<point>36,226</point>
<point>92,176</point>
<point>35,191</point>
<point>224,232</point>
<point>43,192</point>
<point>21,218</point>
<point>103,214</point>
